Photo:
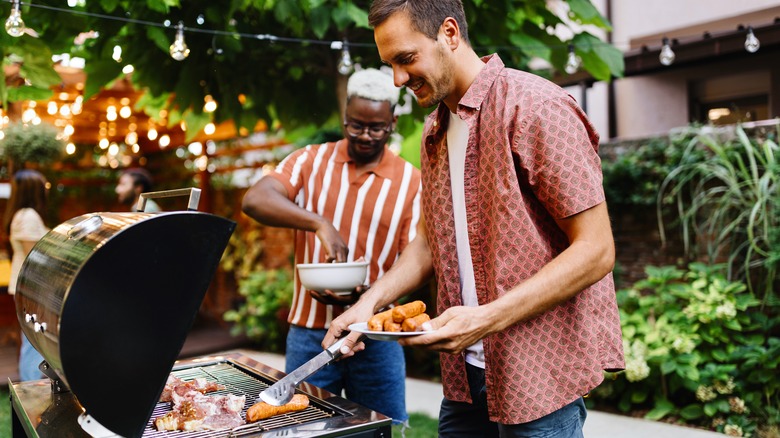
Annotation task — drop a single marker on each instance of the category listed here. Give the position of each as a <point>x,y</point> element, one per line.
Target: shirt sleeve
<point>558,151</point>
<point>292,171</point>
<point>27,225</point>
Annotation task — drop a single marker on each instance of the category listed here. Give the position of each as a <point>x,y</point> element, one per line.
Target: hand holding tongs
<point>282,391</point>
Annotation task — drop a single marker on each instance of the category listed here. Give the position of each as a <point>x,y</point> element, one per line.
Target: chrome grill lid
<point>108,300</point>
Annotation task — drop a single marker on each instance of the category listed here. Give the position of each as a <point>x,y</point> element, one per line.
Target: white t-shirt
<point>457,140</point>
<point>26,226</point>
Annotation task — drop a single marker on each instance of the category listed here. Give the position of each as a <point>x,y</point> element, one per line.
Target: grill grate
<point>238,382</point>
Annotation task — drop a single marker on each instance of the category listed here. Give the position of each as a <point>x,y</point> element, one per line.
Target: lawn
<point>420,426</point>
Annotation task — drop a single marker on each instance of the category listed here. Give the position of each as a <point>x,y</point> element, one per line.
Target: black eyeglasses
<point>376,132</point>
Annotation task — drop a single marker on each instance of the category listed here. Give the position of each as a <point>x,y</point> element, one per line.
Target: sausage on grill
<point>261,410</point>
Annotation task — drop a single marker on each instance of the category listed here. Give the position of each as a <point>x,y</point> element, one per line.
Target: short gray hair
<point>373,84</point>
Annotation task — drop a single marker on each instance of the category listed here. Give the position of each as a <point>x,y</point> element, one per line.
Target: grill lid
<point>117,303</point>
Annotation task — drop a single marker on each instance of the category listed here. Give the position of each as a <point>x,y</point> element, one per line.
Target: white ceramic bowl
<point>338,277</point>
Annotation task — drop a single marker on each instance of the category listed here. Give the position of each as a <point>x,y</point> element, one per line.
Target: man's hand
<point>454,330</point>
<point>330,297</point>
<point>334,246</point>
<point>360,312</point>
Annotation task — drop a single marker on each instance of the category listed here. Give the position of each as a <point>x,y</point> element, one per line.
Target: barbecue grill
<point>37,412</point>
<point>108,300</point>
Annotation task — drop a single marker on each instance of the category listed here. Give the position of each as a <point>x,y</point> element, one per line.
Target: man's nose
<point>400,77</point>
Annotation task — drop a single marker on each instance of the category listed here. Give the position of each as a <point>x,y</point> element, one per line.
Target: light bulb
<point>667,54</point>
<point>14,25</point>
<point>345,64</point>
<point>179,50</point>
<point>572,62</point>
<point>751,42</point>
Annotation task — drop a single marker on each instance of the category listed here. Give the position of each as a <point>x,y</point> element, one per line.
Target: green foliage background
<point>294,83</point>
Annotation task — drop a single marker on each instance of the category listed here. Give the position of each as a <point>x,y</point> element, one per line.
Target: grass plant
<point>726,191</point>
<point>5,414</point>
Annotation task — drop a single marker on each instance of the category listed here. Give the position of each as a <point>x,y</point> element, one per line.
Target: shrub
<point>31,144</point>
<point>696,349</point>
<point>263,314</point>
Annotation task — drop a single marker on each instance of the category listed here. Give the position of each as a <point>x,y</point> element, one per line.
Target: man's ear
<point>450,31</point>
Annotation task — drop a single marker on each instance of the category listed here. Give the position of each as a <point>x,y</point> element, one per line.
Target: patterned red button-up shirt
<point>531,157</point>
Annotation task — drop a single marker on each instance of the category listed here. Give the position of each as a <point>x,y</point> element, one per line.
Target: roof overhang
<point>698,51</point>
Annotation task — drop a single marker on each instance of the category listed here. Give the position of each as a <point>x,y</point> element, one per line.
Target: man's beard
<point>440,85</point>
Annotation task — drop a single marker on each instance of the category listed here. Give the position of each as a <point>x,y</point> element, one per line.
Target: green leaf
<point>40,75</point>
<point>25,92</point>
<point>341,16</point>
<point>638,396</point>
<point>109,5</point>
<point>159,37</point>
<point>287,12</point>
<point>601,59</point>
<point>588,14</point>
<point>710,409</point>
<point>195,123</point>
<point>358,16</point>
<point>662,408</point>
<point>157,6</point>
<point>319,19</point>
<point>530,45</point>
<point>719,355</point>
<point>668,367</point>
<point>100,73</point>
<point>692,412</point>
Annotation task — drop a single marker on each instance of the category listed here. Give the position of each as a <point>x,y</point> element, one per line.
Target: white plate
<point>362,327</point>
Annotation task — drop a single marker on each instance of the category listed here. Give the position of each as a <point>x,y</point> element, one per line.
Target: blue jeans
<point>374,378</point>
<point>29,359</point>
<point>459,419</point>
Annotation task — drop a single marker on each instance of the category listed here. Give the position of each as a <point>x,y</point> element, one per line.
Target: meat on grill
<point>181,387</point>
<point>194,411</point>
<point>262,410</point>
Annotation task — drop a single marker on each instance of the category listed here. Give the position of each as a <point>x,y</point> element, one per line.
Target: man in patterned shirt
<point>515,229</point>
<point>346,200</point>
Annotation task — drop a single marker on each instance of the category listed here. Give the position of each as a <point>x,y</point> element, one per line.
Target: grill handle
<point>192,192</point>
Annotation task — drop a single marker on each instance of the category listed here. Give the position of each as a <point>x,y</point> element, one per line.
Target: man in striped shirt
<point>347,199</point>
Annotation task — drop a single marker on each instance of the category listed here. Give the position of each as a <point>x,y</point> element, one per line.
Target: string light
<point>179,50</point>
<point>751,42</point>
<point>667,54</point>
<point>345,62</point>
<point>14,25</point>
<point>573,61</point>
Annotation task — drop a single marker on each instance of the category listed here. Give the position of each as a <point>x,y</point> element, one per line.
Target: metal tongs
<point>282,391</point>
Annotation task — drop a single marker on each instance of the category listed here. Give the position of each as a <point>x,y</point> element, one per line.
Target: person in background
<point>346,200</point>
<point>133,182</point>
<point>23,221</point>
<point>515,229</point>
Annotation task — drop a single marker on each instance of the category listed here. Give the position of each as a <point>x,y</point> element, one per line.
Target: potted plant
<point>24,145</point>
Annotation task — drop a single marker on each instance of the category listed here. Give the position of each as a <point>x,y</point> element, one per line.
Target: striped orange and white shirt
<point>376,214</point>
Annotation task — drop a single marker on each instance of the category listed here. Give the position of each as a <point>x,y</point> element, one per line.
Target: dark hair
<point>28,190</point>
<point>141,177</point>
<point>426,15</point>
